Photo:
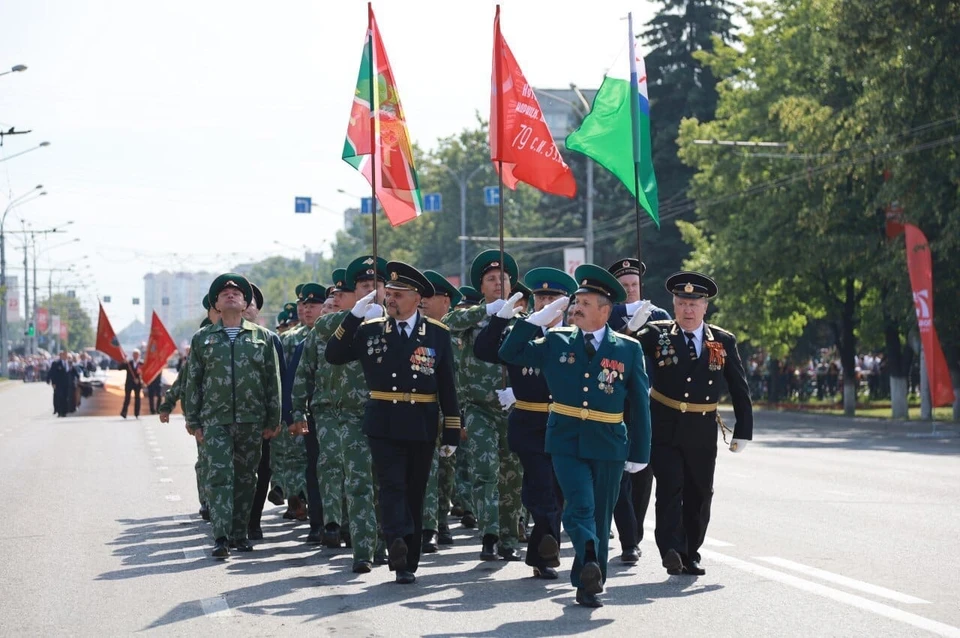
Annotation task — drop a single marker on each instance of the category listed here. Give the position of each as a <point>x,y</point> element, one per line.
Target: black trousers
<point>541,495</point>
<point>402,469</point>
<point>684,493</point>
<point>263,484</point>
<point>632,506</point>
<point>61,399</point>
<point>314,498</point>
<point>126,400</point>
<point>153,398</point>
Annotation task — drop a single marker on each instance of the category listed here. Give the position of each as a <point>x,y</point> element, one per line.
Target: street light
<point>462,181</point>
<point>16,68</point>
<point>40,145</point>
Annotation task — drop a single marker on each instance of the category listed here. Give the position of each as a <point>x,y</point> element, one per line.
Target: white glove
<point>360,308</point>
<point>633,468</point>
<point>640,315</point>
<point>506,398</point>
<point>494,306</point>
<point>508,310</point>
<point>374,311</point>
<point>549,313</point>
<point>447,450</point>
<point>738,445</point>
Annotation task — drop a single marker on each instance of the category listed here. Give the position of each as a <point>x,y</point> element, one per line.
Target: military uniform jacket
<point>682,379</point>
<point>619,318</point>
<point>420,364</point>
<point>310,393</point>
<point>347,385</point>
<point>604,383</point>
<point>527,428</point>
<point>477,379</point>
<point>235,382</point>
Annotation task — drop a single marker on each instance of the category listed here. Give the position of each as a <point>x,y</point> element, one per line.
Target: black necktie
<point>402,329</point>
<point>691,346</point>
<point>588,345</point>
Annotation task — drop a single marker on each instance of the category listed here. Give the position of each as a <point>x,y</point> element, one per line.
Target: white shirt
<point>411,322</point>
<point>598,336</point>
<point>697,337</point>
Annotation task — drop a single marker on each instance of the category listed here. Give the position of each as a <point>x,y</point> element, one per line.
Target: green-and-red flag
<point>384,154</point>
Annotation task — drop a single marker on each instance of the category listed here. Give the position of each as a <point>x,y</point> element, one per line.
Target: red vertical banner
<point>160,347</point>
<point>43,320</point>
<point>107,342</point>
<point>63,332</point>
<point>920,266</point>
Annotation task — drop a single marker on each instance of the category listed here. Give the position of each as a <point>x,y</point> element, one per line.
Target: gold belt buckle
<point>683,406</point>
<point>584,413</point>
<point>406,396</point>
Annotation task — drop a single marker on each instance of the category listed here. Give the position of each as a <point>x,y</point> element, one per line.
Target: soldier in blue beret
<point>592,372</point>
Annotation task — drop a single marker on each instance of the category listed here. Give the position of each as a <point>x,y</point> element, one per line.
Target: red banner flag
<point>64,333</point>
<point>43,320</point>
<point>160,347</point>
<point>519,136</point>
<point>920,266</point>
<point>107,339</point>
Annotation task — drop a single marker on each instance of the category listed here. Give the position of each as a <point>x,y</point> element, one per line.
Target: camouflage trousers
<point>345,470</point>
<point>462,478</point>
<point>288,463</point>
<point>232,455</point>
<point>436,502</point>
<point>497,474</point>
<point>200,468</point>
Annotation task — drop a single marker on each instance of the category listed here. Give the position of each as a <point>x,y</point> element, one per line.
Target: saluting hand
<point>360,308</point>
<point>640,315</point>
<point>508,309</point>
<point>549,313</point>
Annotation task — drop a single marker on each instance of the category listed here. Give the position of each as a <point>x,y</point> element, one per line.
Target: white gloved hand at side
<point>494,306</point>
<point>549,313</point>
<point>633,468</point>
<point>374,311</point>
<point>506,398</point>
<point>509,309</point>
<point>447,450</point>
<point>738,445</point>
<point>640,315</point>
<point>360,308</point>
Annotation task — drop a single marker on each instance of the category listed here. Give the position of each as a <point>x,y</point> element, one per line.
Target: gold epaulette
<point>375,320</point>
<point>439,324</point>
<point>721,330</point>
<point>563,329</point>
<point>658,324</point>
<point>620,335</point>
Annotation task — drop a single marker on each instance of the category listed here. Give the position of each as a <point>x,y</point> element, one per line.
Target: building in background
<point>176,296</point>
<point>563,110</point>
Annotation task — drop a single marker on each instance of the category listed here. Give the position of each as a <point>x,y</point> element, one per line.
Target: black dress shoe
<point>380,557</point>
<point>468,520</point>
<point>398,556</point>
<point>315,537</point>
<point>488,550</point>
<point>444,537</point>
<point>255,533</point>
<point>204,512</point>
<point>275,495</point>
<point>220,549</point>
<point>405,577</point>
<point>631,556</point>
<point>456,510</point>
<point>693,568</point>
<point>331,536</point>
<point>591,578</point>
<point>587,599</point>
<point>545,573</point>
<point>362,567</point>
<point>549,550</point>
<point>429,545</point>
<point>123,414</point>
<point>345,538</point>
<point>509,553</point>
<point>673,562</point>
<point>241,545</point>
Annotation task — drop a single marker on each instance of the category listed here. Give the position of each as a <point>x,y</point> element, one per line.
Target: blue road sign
<point>302,204</point>
<point>432,203</point>
<point>491,195</point>
<point>366,205</point>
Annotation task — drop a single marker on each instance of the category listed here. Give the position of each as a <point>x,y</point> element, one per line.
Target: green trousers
<point>232,455</point>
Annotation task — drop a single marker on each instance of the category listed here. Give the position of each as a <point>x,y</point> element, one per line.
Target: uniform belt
<point>585,414</point>
<point>532,407</point>
<point>683,406</point>
<point>406,397</point>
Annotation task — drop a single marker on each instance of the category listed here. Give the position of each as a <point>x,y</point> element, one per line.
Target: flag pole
<point>374,106</point>
<point>634,125</point>
<point>498,65</point>
<point>636,204</point>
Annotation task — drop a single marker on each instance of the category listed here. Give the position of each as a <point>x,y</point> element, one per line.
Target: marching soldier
<point>231,399</point>
<point>690,359</point>
<point>587,436</point>
<point>495,470</point>
<point>530,398</point>
<point>407,362</point>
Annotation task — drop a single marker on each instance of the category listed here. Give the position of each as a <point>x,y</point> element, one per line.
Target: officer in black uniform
<point>691,358</point>
<point>527,423</point>
<point>407,362</point>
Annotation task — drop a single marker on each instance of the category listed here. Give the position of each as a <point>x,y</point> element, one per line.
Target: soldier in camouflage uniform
<point>231,399</point>
<point>344,453</point>
<point>462,497</point>
<point>496,471</point>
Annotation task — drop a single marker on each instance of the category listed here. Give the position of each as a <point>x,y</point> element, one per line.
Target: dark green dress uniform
<point>684,412</point>
<point>586,434</point>
<point>410,378</point>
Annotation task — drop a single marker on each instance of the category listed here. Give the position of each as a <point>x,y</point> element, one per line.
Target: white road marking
<point>216,606</point>
<point>162,468</point>
<point>172,497</point>
<point>939,628</point>
<point>183,519</point>
<point>193,553</point>
<point>166,480</point>
<point>838,493</point>
<point>158,458</point>
<point>850,583</point>
<point>713,542</point>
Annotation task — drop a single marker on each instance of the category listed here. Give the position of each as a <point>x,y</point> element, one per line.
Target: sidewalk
<point>765,418</point>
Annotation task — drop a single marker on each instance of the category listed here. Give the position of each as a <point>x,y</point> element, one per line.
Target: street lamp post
<point>3,276</point>
<point>16,68</point>
<point>40,145</point>
<point>32,344</point>
<point>462,182</point>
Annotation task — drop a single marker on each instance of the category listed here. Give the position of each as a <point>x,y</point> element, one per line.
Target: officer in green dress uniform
<point>592,372</point>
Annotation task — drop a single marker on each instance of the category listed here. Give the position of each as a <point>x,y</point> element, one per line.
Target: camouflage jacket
<point>235,382</point>
<point>311,384</point>
<point>348,387</point>
<point>477,381</point>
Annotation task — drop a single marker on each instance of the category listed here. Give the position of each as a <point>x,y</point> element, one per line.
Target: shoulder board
<point>439,324</point>
<point>563,329</point>
<point>725,333</point>
<point>660,322</point>
<point>539,340</point>
<point>372,321</point>
<point>626,337</point>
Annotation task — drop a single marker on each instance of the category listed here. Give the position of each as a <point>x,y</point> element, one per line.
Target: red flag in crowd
<point>920,266</point>
<point>160,347</point>
<point>519,136</point>
<point>107,339</point>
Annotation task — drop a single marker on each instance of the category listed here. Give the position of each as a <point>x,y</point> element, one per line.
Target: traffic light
<point>31,331</point>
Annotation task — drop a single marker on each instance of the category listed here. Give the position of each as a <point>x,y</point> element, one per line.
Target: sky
<point>180,132</point>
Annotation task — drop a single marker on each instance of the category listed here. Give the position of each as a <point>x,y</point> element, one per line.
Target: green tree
<point>79,325</point>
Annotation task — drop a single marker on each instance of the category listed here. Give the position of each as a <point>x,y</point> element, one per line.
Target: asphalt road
<point>822,527</point>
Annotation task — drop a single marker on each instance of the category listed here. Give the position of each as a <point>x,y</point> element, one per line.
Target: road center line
<point>166,480</point>
<point>216,606</point>
<point>939,628</point>
<point>172,497</point>
<point>850,583</point>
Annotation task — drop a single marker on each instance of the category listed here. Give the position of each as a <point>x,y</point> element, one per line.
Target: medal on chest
<point>665,354</point>
<point>568,357</point>
<point>530,371</point>
<point>610,371</point>
<point>718,355</point>
<point>423,360</point>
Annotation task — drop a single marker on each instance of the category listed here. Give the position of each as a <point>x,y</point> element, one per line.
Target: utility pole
<point>462,182</point>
